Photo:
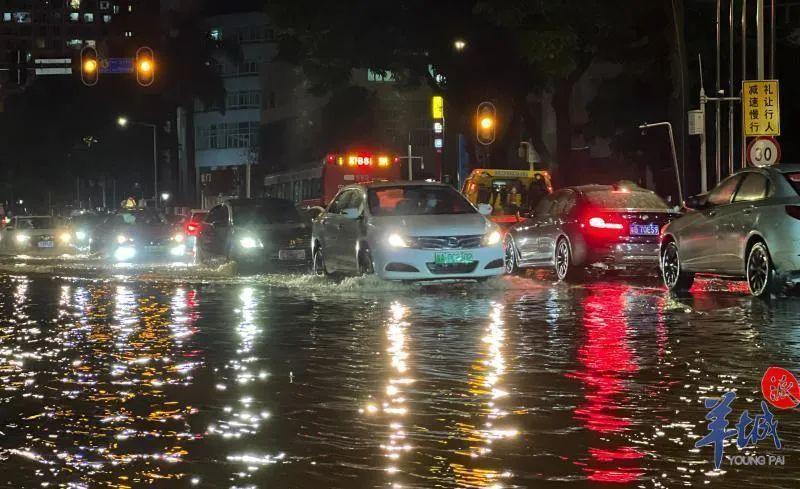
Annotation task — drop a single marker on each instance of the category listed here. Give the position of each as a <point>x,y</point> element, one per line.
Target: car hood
<point>434,225</point>
<point>147,232</point>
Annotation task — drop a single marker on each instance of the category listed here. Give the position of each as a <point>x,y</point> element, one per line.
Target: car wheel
<point>565,268</point>
<point>365,264</point>
<point>318,262</point>
<point>675,277</point>
<point>760,272</point>
<point>510,255</point>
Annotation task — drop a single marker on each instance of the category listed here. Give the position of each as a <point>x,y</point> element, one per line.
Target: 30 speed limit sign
<point>764,151</point>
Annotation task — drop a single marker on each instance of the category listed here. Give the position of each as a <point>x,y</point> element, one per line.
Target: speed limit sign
<point>764,151</point>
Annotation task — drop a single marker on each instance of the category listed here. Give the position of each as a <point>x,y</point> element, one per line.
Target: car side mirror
<point>485,209</point>
<point>696,202</point>
<point>351,213</point>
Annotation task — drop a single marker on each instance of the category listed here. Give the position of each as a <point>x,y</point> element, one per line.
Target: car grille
<point>455,268</point>
<point>446,242</point>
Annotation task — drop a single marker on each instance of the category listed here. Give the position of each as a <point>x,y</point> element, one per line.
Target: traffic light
<point>486,120</point>
<point>90,66</point>
<point>145,67</point>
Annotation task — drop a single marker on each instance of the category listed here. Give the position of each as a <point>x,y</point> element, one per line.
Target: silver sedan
<point>747,227</point>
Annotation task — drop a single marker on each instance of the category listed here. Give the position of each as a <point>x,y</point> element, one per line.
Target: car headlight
<point>179,250</point>
<point>178,238</point>
<point>397,241</point>
<point>22,238</point>
<point>492,238</point>
<point>125,253</point>
<point>80,235</point>
<point>248,242</point>
<point>122,239</point>
<point>65,237</point>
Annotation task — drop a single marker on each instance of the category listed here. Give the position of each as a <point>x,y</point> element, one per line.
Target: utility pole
<point>678,174</point>
<point>760,38</point>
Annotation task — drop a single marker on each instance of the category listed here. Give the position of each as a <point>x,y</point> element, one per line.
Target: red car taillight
<point>192,228</point>
<point>604,225</point>
<point>793,210</point>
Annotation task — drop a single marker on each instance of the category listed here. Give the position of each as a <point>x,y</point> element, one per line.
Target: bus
<point>317,183</point>
<point>509,192</point>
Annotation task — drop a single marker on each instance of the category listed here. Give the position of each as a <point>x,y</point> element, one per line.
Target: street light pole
<point>678,174</point>
<point>124,122</point>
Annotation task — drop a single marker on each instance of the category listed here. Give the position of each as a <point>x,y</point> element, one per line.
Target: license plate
<point>291,254</point>
<point>452,258</point>
<point>45,244</point>
<point>154,249</point>
<point>644,229</point>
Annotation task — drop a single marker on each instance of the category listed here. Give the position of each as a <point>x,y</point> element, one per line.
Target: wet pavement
<point>300,382</point>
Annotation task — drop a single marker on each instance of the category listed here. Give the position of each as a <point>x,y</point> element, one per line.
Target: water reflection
<point>608,363</point>
<point>486,384</point>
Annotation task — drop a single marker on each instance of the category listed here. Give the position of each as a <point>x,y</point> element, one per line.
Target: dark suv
<point>264,231</point>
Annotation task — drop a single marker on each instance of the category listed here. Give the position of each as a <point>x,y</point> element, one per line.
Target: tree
<point>517,51</point>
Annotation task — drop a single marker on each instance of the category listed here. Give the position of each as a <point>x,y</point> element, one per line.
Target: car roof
<point>258,201</point>
<point>33,217</point>
<point>600,188</point>
<point>397,183</point>
<point>785,168</point>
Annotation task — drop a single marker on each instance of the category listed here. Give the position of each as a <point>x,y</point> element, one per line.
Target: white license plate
<point>644,229</point>
<point>154,249</point>
<point>291,254</point>
<point>45,244</point>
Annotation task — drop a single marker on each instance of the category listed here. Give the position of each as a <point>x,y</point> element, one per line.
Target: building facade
<point>227,138</point>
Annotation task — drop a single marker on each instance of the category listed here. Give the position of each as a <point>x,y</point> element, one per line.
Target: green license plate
<point>452,258</point>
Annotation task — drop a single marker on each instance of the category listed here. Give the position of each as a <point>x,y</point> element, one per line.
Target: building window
<point>378,77</point>
<point>22,17</point>
<point>105,4</point>
<point>75,4</point>
<point>116,9</point>
<point>74,43</point>
<point>247,99</point>
<point>235,135</point>
<point>88,17</point>
<point>7,17</point>
<point>215,34</point>
<point>74,16</point>
<point>40,43</point>
<point>106,18</point>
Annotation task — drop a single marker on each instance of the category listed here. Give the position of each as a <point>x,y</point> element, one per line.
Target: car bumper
<point>415,264</point>
<point>155,254</point>
<point>623,255</point>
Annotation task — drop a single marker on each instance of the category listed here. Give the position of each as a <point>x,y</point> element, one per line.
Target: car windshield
<point>267,212</point>
<point>148,218</point>
<point>417,201</point>
<point>34,223</point>
<point>618,199</point>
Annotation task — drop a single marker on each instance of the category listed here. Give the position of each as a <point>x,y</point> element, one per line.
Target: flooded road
<point>298,382</point>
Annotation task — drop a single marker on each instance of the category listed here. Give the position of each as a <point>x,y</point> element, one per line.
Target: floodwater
<point>301,382</point>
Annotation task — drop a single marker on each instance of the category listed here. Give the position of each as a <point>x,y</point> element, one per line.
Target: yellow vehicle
<point>511,193</point>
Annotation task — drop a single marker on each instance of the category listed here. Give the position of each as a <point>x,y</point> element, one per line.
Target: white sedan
<point>406,231</point>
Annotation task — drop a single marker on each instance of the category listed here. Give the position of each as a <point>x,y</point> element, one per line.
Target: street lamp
<point>165,196</point>
<point>459,44</point>
<point>124,122</point>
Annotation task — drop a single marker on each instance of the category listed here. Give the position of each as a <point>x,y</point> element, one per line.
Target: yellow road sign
<point>761,109</point>
<point>437,103</point>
